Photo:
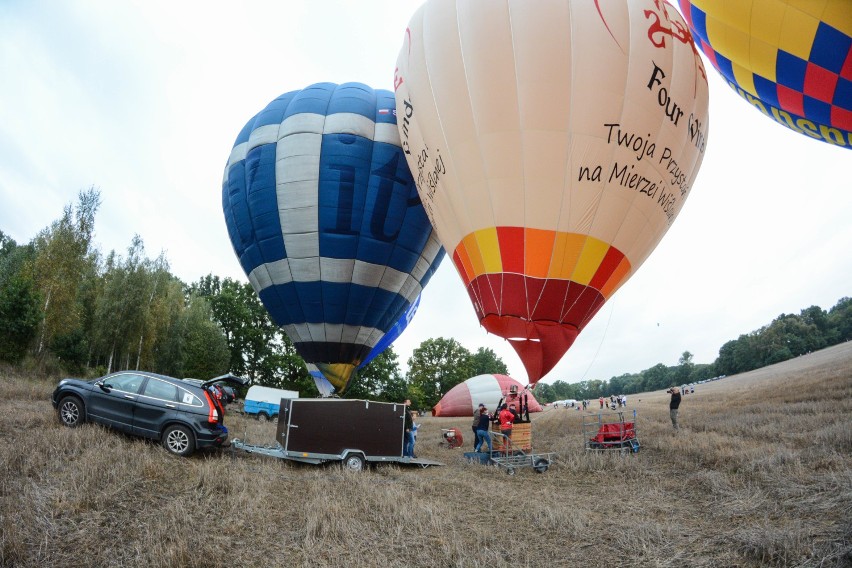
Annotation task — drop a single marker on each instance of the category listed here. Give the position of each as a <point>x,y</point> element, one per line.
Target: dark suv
<point>182,415</point>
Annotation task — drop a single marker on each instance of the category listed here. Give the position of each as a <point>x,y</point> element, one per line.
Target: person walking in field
<point>673,406</point>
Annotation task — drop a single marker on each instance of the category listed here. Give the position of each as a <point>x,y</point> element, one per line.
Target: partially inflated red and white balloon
<point>464,398</point>
<point>553,143</point>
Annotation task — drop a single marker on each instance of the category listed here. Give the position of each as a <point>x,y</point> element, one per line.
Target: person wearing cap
<point>476,413</point>
<point>674,404</point>
<point>482,435</point>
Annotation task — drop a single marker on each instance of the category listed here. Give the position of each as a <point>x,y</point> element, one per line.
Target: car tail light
<point>213,417</point>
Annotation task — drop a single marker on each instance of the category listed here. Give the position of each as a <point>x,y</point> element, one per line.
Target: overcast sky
<point>143,100</point>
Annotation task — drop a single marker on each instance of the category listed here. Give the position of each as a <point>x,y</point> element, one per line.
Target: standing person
<point>476,414</point>
<point>408,442</point>
<point>601,399</point>
<point>482,427</point>
<point>673,406</point>
<point>506,418</point>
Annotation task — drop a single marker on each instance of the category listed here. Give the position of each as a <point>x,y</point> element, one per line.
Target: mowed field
<point>759,475</point>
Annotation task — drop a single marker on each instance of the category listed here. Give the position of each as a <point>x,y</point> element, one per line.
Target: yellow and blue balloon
<point>791,59</point>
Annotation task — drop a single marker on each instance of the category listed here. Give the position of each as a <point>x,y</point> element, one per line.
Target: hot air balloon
<point>325,388</point>
<point>553,143</point>
<point>791,60</point>
<point>465,397</point>
<point>325,219</point>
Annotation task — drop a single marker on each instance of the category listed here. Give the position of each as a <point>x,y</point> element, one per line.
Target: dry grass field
<point>759,475</point>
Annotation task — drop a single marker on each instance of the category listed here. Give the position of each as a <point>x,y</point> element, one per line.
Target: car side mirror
<point>104,387</point>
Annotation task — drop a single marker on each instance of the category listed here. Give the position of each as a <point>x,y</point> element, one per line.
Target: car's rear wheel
<point>178,440</point>
<point>263,417</point>
<point>71,411</point>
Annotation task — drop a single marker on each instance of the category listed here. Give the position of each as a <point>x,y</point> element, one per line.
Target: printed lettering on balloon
<point>673,110</point>
<point>391,193</point>
<point>430,167</point>
<point>406,122</point>
<point>796,123</point>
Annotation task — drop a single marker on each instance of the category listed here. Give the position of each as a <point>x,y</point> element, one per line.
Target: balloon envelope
<point>791,60</point>
<point>325,388</point>
<point>325,219</point>
<point>464,398</point>
<point>553,144</point>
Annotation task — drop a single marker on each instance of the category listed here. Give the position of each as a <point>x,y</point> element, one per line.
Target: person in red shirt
<point>506,418</point>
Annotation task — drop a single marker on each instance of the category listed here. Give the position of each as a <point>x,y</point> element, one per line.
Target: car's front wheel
<point>178,440</point>
<point>71,411</point>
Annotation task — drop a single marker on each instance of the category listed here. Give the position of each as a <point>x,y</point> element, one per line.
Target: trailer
<point>352,432</point>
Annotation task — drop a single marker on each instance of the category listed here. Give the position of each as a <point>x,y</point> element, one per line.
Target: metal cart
<point>610,431</point>
<point>511,459</point>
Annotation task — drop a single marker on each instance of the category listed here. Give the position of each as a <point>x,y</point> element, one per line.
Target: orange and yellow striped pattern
<point>544,254</point>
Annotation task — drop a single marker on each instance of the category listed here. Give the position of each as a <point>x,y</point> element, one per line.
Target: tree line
<point>67,308</point>
<point>787,336</point>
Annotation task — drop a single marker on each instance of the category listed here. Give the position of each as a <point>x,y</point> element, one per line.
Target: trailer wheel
<point>541,465</point>
<point>354,462</point>
<point>510,471</point>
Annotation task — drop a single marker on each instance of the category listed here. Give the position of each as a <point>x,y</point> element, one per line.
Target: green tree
<point>657,377</point>
<point>840,321</point>
<point>563,390</point>
<point>486,362</point>
<point>121,309</point>
<point>169,350</point>
<point>258,349</point>
<point>63,252</point>
<point>435,367</point>
<point>622,384</point>
<point>381,379</point>
<point>737,356</point>
<point>283,368</point>
<point>544,393</point>
<point>684,368</point>
<point>20,302</point>
<point>816,316</point>
<point>206,350</point>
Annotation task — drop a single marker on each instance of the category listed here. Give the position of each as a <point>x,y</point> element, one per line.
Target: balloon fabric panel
<point>791,60</point>
<point>327,223</point>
